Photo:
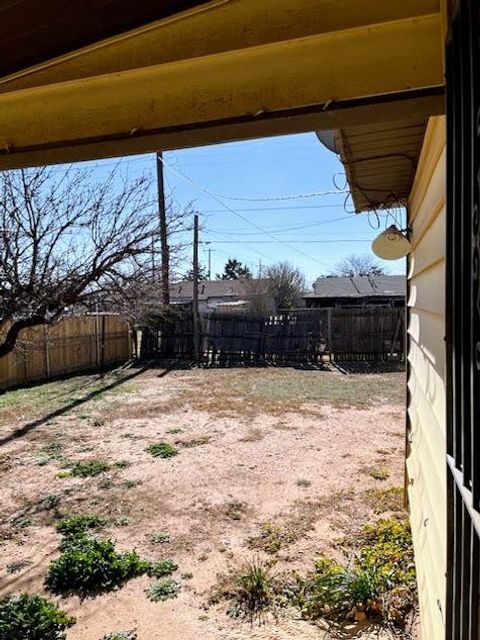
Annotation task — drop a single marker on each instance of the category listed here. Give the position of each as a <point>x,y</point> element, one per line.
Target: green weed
<point>86,468</point>
<point>50,501</point>
<point>121,635</point>
<point>79,524</point>
<point>161,450</point>
<point>164,589</point>
<point>32,617</point>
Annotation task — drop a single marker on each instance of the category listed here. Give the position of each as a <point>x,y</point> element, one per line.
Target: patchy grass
<point>162,450</point>
<point>383,500</point>
<point>16,567</point>
<point>272,538</point>
<point>164,589</point>
<point>379,472</point>
<point>195,442</point>
<point>50,501</point>
<point>159,538</point>
<point>87,468</point>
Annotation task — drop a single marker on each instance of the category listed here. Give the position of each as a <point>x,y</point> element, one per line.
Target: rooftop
<point>358,287</point>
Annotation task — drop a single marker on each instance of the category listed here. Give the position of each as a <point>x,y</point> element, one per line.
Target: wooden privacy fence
<point>303,335</point>
<point>74,344</point>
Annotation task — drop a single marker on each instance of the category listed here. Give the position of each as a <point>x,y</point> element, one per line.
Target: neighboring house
<point>226,296</point>
<point>360,291</point>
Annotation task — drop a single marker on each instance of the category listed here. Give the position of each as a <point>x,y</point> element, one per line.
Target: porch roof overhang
<point>185,72</point>
<point>380,160</point>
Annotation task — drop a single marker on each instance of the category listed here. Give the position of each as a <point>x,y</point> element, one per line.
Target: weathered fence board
<point>73,344</point>
<point>302,335</point>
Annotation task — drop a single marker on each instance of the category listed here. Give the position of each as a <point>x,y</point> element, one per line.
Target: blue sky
<point>265,217</point>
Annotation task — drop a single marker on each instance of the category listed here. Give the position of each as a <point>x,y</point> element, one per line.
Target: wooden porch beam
<point>199,100</point>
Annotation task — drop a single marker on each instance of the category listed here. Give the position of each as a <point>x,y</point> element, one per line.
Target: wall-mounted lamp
<point>391,244</point>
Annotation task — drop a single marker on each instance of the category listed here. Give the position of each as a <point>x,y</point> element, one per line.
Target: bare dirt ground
<point>310,453</point>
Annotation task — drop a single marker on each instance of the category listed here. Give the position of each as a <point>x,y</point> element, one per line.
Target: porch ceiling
<point>98,78</point>
<point>381,160</point>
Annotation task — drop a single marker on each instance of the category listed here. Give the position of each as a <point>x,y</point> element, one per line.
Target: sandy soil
<point>245,438</point>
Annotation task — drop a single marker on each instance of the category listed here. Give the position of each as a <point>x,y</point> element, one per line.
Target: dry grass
<point>271,461</point>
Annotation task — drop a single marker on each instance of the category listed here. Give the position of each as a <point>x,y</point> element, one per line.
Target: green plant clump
<point>75,525</point>
<point>378,584</point>
<point>162,450</point>
<point>89,565</point>
<point>121,635</point>
<point>50,501</point>
<point>32,617</point>
<point>85,468</point>
<point>163,590</point>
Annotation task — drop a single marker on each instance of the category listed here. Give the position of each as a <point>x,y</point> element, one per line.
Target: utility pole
<point>196,337</point>
<point>163,232</point>
<point>209,263</point>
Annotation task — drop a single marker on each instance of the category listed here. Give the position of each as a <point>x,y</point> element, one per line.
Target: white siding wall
<point>426,464</point>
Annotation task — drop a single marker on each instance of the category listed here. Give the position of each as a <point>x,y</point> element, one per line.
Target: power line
<point>217,199</point>
<point>340,240</point>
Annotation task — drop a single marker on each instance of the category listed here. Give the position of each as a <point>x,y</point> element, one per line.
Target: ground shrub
<point>50,452</point>
<point>79,524</point>
<point>89,565</point>
<point>161,450</point>
<point>121,635</point>
<point>378,583</point>
<point>32,617</point>
<point>85,468</point>
<point>164,589</point>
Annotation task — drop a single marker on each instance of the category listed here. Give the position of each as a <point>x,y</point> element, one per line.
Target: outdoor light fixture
<point>391,244</point>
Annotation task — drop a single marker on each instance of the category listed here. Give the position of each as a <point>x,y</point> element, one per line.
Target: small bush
<point>32,617</point>
<point>85,468</point>
<point>75,525</point>
<point>161,568</point>
<point>162,450</point>
<point>163,590</point>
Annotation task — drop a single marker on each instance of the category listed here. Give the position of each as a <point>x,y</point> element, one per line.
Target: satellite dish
<point>391,244</point>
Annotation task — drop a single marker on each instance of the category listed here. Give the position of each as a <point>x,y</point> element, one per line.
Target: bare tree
<point>359,265</point>
<point>287,284</point>
<point>66,241</point>
<point>258,291</point>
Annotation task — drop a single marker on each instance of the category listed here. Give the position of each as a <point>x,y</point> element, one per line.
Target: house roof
<point>358,287</point>
<point>211,289</point>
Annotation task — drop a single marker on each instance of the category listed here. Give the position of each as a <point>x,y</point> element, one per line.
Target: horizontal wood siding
<point>426,466</point>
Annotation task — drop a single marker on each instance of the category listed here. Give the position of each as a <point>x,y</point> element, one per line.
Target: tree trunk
<point>13,332</point>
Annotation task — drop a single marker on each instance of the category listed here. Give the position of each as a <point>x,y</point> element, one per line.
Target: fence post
<point>46,351</point>
<point>329,330</point>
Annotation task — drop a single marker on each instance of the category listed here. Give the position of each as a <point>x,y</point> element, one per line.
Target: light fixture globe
<point>391,244</point>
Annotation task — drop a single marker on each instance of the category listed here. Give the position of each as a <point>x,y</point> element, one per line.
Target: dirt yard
<point>281,463</point>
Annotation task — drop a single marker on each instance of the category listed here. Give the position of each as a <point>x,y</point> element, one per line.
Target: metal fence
<point>302,335</point>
